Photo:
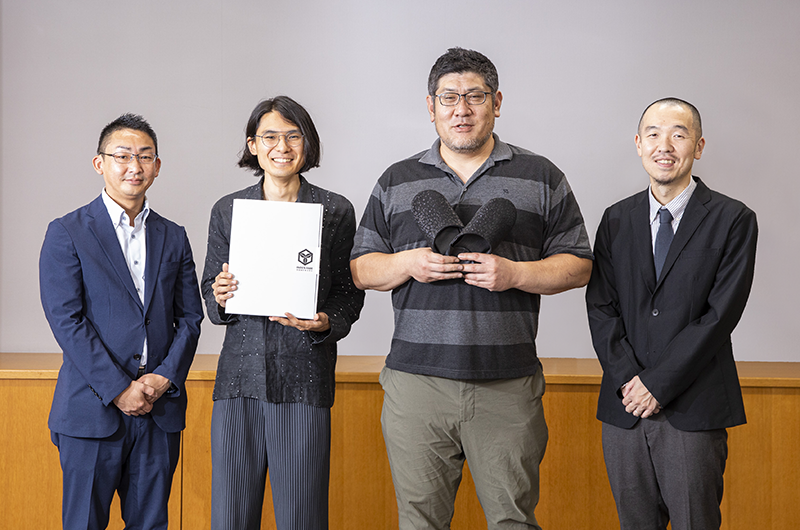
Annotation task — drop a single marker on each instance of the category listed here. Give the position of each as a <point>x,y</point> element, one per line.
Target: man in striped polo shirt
<point>462,379</point>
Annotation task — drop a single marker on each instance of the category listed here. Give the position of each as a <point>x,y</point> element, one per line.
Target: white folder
<point>275,255</point>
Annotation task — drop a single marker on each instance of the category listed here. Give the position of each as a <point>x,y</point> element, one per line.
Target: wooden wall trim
<point>365,369</point>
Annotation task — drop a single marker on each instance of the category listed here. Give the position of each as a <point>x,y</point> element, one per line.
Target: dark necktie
<point>663,239</point>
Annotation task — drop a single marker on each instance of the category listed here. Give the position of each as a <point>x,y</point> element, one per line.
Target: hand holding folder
<point>274,256</point>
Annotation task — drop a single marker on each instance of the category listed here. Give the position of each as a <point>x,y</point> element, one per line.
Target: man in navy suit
<point>672,274</point>
<point>119,290</point>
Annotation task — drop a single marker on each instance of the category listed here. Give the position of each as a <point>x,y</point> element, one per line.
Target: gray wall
<point>575,76</point>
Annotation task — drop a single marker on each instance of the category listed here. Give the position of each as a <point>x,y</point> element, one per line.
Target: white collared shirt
<point>133,244</point>
<point>676,207</point>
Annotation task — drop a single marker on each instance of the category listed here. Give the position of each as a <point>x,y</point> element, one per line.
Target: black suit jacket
<point>674,333</point>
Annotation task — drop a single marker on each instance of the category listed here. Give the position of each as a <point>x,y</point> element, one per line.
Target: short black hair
<point>459,61</point>
<point>696,121</point>
<point>126,121</point>
<point>293,112</point>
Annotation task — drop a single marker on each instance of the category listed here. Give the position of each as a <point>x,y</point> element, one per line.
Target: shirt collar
<point>501,151</point>
<point>676,206</point>
<point>117,212</point>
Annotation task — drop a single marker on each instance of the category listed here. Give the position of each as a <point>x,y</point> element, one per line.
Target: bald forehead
<point>658,107</point>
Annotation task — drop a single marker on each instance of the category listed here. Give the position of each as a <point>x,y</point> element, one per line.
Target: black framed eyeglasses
<point>127,158</point>
<point>270,139</point>
<point>451,99</point>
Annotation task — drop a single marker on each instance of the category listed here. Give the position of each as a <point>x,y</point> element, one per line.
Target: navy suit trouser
<point>137,461</point>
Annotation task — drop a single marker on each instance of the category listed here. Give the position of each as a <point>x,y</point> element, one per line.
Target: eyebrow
<point>279,132</point>
<point>681,127</point>
<point>145,148</point>
<point>473,89</point>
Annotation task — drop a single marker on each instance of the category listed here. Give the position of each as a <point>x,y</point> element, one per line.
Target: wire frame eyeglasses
<point>270,139</point>
<point>451,99</point>
<point>127,158</point>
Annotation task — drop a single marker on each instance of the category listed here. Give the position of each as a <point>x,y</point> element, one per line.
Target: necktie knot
<point>664,216</point>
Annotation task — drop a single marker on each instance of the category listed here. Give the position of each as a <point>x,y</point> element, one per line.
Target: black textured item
<point>437,220</point>
<point>490,225</point>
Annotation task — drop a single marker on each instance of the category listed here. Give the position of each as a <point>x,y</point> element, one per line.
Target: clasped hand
<point>487,271</point>
<point>138,398</point>
<point>638,400</point>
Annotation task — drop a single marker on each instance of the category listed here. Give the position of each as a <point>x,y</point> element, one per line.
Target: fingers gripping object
<point>446,233</point>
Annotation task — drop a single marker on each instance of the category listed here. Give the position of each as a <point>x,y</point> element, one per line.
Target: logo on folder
<point>305,257</point>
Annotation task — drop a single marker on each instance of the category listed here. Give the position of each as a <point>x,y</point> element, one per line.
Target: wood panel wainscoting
<point>762,479</point>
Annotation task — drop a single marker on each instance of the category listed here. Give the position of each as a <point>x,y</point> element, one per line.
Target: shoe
<point>437,220</point>
<point>490,225</point>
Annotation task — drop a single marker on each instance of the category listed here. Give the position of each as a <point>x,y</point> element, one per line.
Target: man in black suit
<point>673,270</point>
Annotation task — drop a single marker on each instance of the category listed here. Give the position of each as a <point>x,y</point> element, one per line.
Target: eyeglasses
<point>451,99</point>
<point>292,139</point>
<point>127,158</point>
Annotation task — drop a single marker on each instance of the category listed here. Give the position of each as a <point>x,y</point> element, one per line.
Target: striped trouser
<point>292,440</point>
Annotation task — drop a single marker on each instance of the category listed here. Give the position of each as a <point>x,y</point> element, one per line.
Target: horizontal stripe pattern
<point>463,328</point>
<point>478,362</point>
<point>455,295</point>
<point>452,313</point>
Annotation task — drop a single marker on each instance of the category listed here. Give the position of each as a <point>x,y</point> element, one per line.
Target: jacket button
<point>137,357</point>
<point>655,312</point>
<point>146,321</point>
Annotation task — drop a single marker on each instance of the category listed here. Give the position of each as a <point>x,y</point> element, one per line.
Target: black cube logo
<point>305,257</point>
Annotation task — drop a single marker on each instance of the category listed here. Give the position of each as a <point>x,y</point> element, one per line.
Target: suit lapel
<point>642,241</point>
<point>103,229</point>
<point>155,249</point>
<point>694,214</point>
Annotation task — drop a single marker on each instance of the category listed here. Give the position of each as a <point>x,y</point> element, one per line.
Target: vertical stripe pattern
<point>292,440</point>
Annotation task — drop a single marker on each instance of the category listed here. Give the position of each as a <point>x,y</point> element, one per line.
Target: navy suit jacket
<point>674,333</point>
<point>100,323</point>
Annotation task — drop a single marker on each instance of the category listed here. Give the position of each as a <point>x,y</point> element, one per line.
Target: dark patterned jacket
<point>265,360</point>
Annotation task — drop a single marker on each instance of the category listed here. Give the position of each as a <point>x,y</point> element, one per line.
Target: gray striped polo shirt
<point>448,328</point>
